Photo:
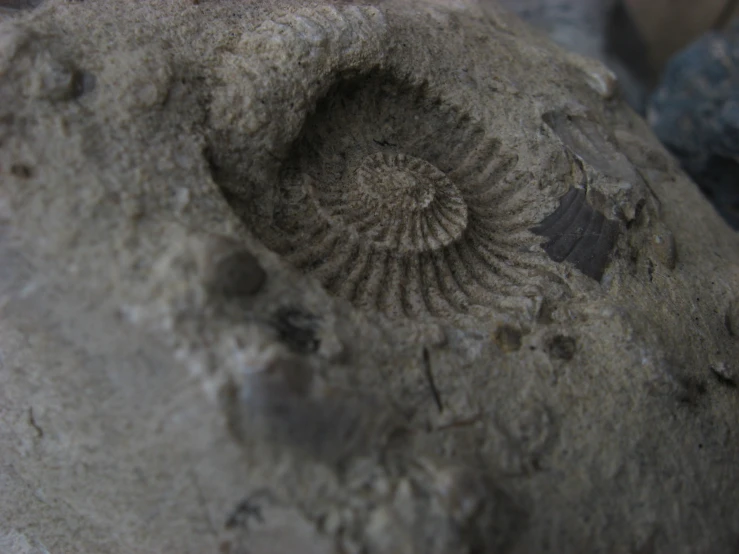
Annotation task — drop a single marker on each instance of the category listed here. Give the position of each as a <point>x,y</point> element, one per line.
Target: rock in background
<point>695,112</point>
<point>600,29</point>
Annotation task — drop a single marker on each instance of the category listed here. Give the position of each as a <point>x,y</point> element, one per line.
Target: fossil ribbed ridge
<point>402,204</point>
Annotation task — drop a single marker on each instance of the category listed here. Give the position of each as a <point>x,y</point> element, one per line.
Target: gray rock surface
<point>336,278</point>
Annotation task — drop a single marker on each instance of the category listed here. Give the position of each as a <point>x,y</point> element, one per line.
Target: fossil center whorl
<point>397,202</point>
<point>399,182</point>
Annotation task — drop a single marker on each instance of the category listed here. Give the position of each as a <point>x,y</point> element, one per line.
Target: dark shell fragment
<point>579,234</point>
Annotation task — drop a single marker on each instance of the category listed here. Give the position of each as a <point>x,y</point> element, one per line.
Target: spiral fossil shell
<point>400,203</point>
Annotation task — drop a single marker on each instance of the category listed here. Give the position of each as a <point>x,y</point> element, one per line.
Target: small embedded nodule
<point>507,338</point>
<point>229,269</point>
<point>562,347</point>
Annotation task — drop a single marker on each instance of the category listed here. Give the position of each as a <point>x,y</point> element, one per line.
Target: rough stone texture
<point>443,371</point>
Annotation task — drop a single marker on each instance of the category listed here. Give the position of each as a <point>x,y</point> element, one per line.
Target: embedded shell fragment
<point>343,277</point>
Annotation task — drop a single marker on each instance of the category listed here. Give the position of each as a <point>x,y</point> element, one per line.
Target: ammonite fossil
<point>398,202</point>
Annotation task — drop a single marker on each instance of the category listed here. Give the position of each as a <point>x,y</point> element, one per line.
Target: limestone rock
<point>350,277</point>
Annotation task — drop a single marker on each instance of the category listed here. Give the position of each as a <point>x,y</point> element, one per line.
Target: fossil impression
<point>399,202</point>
